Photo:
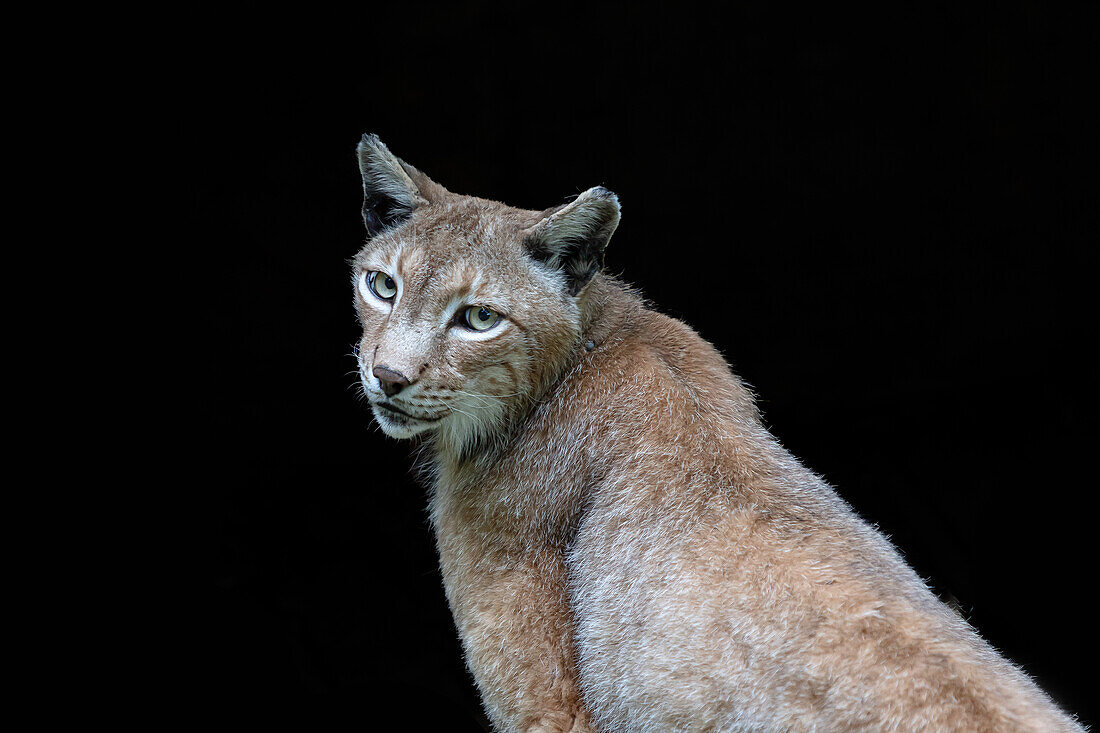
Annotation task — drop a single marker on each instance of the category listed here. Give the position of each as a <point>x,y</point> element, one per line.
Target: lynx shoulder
<point>624,546</point>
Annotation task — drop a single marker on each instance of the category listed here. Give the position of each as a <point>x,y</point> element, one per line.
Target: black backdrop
<point>886,222</point>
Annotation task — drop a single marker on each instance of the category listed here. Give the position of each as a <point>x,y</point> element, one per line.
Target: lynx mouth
<point>392,411</point>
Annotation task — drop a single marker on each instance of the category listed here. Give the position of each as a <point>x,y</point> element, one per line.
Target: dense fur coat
<point>624,546</point>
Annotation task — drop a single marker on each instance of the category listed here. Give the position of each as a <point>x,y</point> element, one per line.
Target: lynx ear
<point>390,194</point>
<point>572,238</point>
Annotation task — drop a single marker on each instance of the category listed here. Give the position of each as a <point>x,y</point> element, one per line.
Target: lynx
<point>624,546</point>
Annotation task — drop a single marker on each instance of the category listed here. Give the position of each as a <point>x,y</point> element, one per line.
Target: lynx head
<point>469,307</point>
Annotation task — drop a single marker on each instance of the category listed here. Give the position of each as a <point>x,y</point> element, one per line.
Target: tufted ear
<point>572,238</point>
<point>392,189</point>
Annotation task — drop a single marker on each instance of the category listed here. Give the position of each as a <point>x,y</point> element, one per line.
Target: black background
<point>886,221</point>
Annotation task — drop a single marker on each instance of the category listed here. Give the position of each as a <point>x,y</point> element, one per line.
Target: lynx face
<point>468,306</point>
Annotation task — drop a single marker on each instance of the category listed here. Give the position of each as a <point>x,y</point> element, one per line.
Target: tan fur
<point>624,546</point>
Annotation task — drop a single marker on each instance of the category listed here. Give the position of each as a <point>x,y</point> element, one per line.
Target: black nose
<point>392,381</point>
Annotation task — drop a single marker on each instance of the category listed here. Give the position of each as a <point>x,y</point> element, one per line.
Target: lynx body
<point>624,546</point>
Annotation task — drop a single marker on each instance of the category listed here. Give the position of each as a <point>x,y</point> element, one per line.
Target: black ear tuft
<point>572,239</point>
<point>389,195</point>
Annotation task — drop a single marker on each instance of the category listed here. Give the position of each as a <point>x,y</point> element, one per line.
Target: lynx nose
<point>392,381</point>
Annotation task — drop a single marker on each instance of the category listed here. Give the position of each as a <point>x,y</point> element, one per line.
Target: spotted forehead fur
<point>403,209</point>
<point>459,246</point>
<point>460,229</point>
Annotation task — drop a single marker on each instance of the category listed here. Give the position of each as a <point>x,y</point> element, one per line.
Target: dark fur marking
<point>381,212</point>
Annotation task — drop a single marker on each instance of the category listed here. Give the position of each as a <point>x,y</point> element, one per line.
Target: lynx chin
<point>624,546</point>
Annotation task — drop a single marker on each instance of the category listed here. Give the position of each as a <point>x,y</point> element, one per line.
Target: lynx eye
<point>480,318</point>
<point>381,284</point>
